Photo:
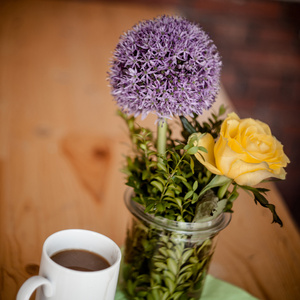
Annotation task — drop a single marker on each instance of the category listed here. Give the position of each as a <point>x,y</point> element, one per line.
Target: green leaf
<point>149,208</point>
<point>143,147</point>
<point>179,147</point>
<point>178,201</point>
<point>184,277</point>
<point>165,295</point>
<point>192,165</point>
<point>130,287</point>
<point>171,253</point>
<point>218,180</point>
<point>145,174</point>
<point>187,147</point>
<point>186,255</point>
<point>178,252</point>
<point>169,274</point>
<point>163,251</point>
<point>195,198</point>
<point>160,179</point>
<point>161,166</point>
<point>180,177</point>
<point>143,278</point>
<point>160,265</point>
<point>194,260</point>
<point>158,257</point>
<point>222,110</point>
<point>155,293</point>
<point>170,193</point>
<point>261,199</point>
<point>172,265</point>
<point>192,150</point>
<point>186,267</point>
<point>158,185</point>
<point>176,188</point>
<point>180,219</point>
<point>223,189</point>
<point>147,245</point>
<point>142,294</point>
<point>187,125</point>
<point>195,185</point>
<point>203,149</point>
<point>152,164</point>
<point>170,284</point>
<point>188,195</point>
<point>160,207</point>
<point>177,295</point>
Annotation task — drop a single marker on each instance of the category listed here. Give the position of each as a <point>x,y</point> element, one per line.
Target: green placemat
<point>214,289</point>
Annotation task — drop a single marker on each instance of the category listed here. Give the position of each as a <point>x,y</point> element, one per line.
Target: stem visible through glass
<point>161,137</point>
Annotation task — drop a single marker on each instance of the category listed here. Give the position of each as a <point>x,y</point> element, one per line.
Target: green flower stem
<point>162,137</point>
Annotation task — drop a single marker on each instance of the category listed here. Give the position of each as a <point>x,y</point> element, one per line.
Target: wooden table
<point>61,147</point>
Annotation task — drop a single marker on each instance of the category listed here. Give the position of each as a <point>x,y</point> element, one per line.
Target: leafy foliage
<point>259,197</point>
<point>171,185</point>
<point>164,265</point>
<point>175,185</point>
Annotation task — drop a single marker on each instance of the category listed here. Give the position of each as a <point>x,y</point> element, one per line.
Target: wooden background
<point>61,147</point>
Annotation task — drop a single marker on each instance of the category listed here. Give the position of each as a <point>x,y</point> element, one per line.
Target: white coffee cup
<point>56,282</point>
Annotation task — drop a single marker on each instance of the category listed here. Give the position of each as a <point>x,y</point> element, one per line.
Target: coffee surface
<point>80,260</point>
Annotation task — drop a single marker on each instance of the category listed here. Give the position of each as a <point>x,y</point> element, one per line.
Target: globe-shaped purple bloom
<point>168,66</point>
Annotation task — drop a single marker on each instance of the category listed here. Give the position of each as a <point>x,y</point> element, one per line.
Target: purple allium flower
<point>168,66</point>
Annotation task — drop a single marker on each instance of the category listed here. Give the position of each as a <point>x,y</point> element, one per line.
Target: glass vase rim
<point>210,226</point>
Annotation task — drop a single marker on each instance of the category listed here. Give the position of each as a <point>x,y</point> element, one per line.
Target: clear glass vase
<point>165,259</point>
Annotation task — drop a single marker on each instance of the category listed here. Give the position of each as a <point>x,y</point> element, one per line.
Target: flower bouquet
<point>182,189</point>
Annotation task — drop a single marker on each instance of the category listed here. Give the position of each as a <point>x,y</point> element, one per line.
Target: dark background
<point>259,42</point>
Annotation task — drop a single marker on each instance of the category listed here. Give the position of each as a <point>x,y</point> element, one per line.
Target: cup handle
<point>31,284</point>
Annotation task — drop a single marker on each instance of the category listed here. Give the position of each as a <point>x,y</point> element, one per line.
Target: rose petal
<point>207,159</point>
<point>252,174</point>
<point>224,156</point>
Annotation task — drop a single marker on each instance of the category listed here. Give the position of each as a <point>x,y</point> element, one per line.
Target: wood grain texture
<point>61,147</point>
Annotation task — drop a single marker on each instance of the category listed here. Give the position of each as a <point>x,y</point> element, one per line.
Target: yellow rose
<point>246,151</point>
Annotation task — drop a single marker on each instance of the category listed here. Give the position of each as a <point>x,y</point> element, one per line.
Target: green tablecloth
<point>214,289</point>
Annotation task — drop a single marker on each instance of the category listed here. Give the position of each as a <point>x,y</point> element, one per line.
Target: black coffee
<point>80,260</point>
